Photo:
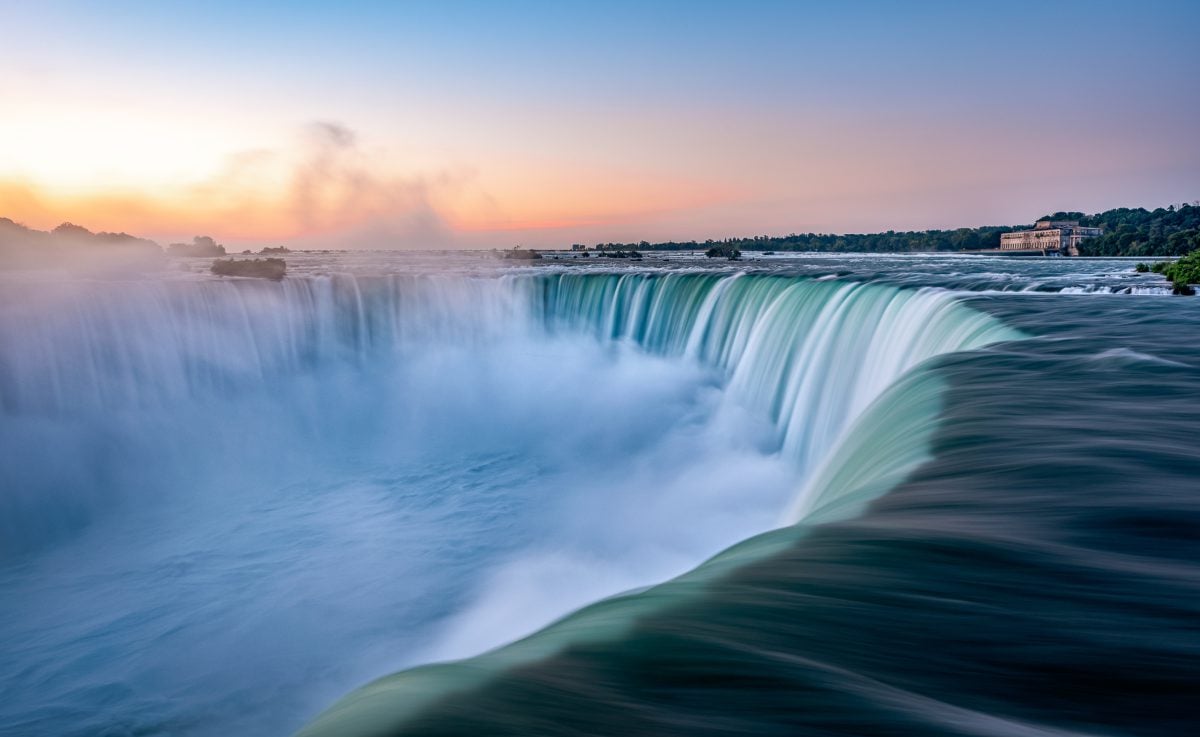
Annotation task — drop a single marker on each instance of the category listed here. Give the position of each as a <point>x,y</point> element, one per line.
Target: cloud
<point>335,188</point>
<point>333,133</point>
<point>323,189</point>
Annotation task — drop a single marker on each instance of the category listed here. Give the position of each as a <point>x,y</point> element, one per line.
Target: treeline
<point>1169,231</point>
<point>71,245</point>
<point>962,239</point>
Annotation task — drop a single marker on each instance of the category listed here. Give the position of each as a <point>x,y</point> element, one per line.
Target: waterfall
<point>98,359</point>
<point>810,355</point>
<point>252,418</point>
<point>106,346</point>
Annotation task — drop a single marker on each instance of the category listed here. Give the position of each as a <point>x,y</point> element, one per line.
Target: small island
<point>259,268</point>
<point>726,252</point>
<point>522,254</point>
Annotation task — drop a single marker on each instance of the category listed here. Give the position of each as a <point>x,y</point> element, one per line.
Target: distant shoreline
<point>1127,233</point>
<point>1134,232</point>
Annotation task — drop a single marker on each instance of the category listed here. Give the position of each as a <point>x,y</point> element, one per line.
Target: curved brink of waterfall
<point>842,370</point>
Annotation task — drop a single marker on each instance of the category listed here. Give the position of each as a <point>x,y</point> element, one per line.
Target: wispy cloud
<point>323,189</point>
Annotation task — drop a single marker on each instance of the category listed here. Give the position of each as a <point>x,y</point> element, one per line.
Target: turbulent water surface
<point>849,494</point>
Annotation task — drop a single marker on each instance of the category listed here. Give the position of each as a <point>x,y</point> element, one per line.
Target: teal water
<point>228,503</point>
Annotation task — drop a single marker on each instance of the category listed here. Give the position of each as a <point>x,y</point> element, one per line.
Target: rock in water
<point>522,254</point>
<point>261,268</point>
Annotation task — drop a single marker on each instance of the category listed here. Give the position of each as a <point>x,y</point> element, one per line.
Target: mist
<point>333,520</point>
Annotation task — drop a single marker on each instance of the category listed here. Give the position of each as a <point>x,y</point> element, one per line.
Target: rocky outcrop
<point>259,268</point>
<point>522,254</point>
<point>201,247</point>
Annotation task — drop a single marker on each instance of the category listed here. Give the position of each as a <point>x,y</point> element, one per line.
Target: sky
<point>491,124</point>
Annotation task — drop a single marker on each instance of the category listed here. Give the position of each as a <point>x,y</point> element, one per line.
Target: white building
<point>1049,236</point>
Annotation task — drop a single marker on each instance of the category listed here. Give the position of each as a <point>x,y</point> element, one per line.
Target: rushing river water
<point>826,494</point>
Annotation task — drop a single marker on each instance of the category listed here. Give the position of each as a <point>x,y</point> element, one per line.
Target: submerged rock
<point>260,268</point>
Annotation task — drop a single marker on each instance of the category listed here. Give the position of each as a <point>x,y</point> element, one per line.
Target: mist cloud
<point>335,187</point>
<point>324,188</point>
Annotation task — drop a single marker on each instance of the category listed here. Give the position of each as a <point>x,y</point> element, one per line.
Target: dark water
<point>1038,577</point>
<point>995,482</point>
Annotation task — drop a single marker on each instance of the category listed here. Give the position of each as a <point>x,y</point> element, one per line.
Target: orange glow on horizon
<point>247,215</point>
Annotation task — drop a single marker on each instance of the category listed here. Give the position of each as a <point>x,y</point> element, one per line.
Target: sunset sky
<point>447,124</point>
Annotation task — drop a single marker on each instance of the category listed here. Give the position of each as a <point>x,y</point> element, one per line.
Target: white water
<point>227,502</point>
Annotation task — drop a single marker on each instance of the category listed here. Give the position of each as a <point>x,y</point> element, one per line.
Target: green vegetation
<point>1169,231</point>
<point>729,252</point>
<point>1182,273</point>
<point>963,239</point>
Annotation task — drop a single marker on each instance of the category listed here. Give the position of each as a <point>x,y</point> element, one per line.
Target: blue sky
<point>556,122</point>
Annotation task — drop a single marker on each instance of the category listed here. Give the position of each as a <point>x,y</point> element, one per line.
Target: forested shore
<point>1165,231</point>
